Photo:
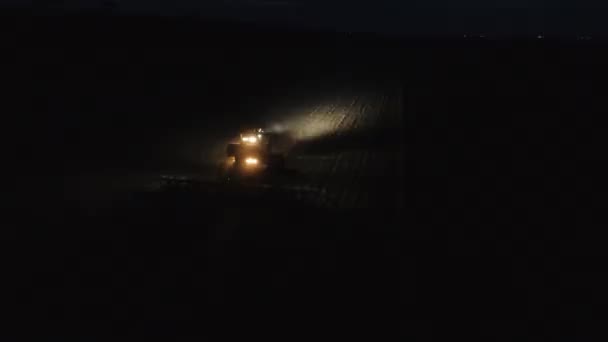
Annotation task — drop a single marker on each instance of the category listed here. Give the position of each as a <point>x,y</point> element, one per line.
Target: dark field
<point>442,188</point>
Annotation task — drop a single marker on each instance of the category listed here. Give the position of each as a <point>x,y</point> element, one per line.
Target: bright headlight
<point>251,139</point>
<point>251,161</point>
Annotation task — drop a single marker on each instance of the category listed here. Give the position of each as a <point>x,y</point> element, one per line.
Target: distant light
<point>540,36</point>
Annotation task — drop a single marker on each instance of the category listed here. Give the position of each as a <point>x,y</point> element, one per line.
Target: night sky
<point>416,16</point>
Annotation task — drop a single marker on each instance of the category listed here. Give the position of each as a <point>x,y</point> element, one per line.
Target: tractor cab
<point>254,152</point>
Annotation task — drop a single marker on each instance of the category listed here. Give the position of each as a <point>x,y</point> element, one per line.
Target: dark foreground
<point>464,182</point>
